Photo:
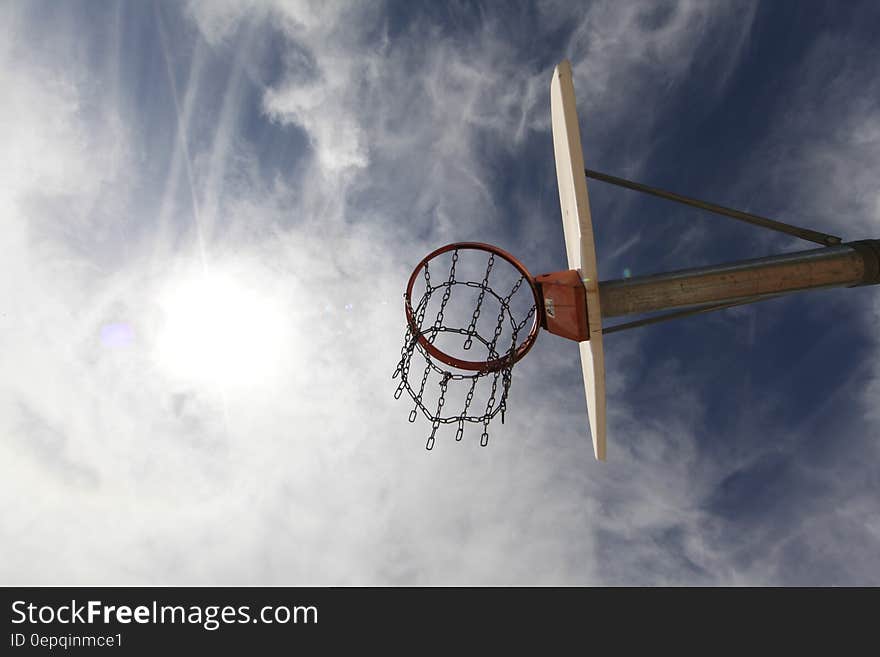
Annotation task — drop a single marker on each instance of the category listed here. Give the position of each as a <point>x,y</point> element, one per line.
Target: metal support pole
<point>749,218</point>
<point>854,263</point>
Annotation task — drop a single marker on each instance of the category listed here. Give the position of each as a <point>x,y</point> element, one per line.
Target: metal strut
<point>754,219</point>
<point>686,313</point>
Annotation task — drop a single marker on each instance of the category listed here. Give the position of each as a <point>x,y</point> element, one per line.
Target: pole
<point>757,220</point>
<point>854,263</point>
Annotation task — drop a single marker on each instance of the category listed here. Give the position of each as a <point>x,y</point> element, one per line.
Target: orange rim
<point>475,365</point>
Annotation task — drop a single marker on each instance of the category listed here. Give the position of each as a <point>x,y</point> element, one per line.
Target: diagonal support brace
<point>747,217</point>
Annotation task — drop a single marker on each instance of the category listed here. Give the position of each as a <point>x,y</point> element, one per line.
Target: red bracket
<point>564,299</point>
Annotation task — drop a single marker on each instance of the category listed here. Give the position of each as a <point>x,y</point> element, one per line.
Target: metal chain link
<point>446,294</point>
<point>470,329</point>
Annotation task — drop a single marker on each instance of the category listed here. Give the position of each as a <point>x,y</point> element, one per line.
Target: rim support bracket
<point>564,304</point>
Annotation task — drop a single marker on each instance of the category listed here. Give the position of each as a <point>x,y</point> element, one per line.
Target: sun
<point>218,329</point>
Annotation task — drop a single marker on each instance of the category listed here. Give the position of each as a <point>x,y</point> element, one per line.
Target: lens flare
<point>117,335</point>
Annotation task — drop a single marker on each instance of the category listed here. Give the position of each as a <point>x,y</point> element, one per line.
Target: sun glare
<point>216,329</point>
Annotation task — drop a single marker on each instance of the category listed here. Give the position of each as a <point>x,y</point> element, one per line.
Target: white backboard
<point>579,243</point>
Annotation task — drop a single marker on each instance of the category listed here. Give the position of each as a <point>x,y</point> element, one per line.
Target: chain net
<point>463,316</point>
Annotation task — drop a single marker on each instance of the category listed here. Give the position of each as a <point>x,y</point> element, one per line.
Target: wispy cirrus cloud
<point>313,153</point>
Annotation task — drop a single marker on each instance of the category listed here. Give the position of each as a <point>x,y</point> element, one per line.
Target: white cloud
<point>319,473</point>
<point>117,470</point>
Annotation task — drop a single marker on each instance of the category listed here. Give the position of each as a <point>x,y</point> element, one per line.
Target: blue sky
<point>208,213</point>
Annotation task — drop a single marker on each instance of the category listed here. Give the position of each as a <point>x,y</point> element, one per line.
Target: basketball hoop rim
<point>475,365</point>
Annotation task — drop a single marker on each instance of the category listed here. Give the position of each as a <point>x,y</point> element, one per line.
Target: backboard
<point>580,246</point>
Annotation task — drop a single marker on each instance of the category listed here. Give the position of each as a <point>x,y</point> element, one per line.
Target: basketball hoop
<point>504,341</point>
<point>573,303</point>
<point>558,302</point>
